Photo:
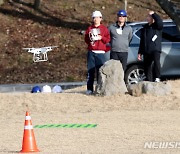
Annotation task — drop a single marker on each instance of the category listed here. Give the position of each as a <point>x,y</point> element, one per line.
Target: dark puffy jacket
<point>151,36</point>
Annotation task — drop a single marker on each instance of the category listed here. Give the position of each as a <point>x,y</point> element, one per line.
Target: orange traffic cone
<point>29,143</point>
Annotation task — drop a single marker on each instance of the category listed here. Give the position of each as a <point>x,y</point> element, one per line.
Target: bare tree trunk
<point>172,8</point>
<point>1,2</point>
<point>125,5</point>
<point>37,4</point>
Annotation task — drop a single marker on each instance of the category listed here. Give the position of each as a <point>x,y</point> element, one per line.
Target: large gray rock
<point>153,88</point>
<point>111,79</point>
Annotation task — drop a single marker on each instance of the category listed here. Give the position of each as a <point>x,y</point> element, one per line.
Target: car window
<point>170,34</point>
<point>138,33</point>
<point>136,36</point>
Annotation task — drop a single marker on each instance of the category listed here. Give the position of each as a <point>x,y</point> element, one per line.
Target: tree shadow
<point>145,5</point>
<point>21,9</point>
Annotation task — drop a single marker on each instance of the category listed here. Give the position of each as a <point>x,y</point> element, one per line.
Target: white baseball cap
<point>57,89</point>
<point>96,14</point>
<point>46,89</point>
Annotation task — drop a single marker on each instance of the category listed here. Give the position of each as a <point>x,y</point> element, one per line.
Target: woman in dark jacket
<point>150,46</point>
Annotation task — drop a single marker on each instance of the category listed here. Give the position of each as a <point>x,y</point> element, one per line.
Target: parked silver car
<point>170,56</point>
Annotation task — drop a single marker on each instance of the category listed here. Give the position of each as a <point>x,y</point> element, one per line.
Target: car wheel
<point>134,74</point>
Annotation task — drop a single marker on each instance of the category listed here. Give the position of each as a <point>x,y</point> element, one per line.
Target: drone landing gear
<point>40,57</point>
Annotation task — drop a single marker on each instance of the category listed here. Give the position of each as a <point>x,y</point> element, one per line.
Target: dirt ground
<point>124,123</point>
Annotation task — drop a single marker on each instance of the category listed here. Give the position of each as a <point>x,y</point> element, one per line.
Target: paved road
<point>4,88</point>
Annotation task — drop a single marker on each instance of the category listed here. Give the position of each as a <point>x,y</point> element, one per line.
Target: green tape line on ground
<point>66,126</point>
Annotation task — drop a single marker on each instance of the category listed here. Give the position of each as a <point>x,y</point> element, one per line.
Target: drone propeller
<point>50,47</point>
<point>28,48</point>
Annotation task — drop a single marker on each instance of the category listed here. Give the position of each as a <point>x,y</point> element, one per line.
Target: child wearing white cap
<point>96,37</point>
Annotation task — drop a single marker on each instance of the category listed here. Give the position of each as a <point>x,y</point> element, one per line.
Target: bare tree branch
<point>172,8</point>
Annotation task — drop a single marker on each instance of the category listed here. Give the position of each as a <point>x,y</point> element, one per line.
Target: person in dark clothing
<point>150,46</point>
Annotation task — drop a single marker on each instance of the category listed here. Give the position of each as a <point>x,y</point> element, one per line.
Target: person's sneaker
<point>157,80</point>
<point>89,92</point>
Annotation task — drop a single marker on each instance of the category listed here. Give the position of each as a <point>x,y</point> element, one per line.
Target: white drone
<point>40,54</point>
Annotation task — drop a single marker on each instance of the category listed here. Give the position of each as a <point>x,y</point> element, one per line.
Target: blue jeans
<point>94,62</point>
